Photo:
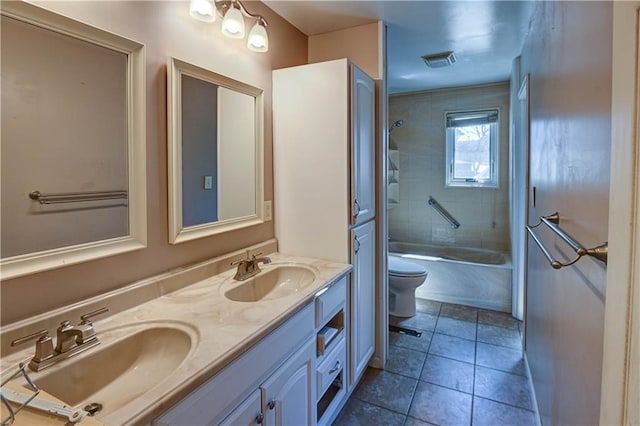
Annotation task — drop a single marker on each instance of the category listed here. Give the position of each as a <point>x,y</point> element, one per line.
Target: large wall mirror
<point>73,142</point>
<point>215,133</point>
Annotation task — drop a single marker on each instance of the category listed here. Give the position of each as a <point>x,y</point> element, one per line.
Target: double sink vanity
<point>216,351</point>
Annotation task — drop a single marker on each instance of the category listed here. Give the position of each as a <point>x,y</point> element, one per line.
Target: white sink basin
<point>273,282</point>
<point>114,374</point>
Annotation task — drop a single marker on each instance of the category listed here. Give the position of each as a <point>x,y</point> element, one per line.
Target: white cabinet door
<point>362,147</point>
<point>362,299</point>
<point>249,413</point>
<point>289,394</point>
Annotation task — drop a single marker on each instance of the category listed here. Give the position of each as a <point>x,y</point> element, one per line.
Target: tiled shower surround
<point>482,212</point>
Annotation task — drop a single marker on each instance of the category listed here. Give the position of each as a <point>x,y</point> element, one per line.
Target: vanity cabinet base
<point>231,392</point>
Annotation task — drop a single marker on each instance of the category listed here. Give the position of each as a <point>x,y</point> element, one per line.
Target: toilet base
<point>402,304</point>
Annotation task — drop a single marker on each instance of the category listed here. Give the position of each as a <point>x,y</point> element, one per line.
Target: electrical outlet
<point>268,213</point>
<point>208,182</point>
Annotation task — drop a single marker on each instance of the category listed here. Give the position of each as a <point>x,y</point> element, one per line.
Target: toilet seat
<point>401,268</point>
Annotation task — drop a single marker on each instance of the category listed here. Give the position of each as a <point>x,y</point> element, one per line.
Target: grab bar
<point>74,197</point>
<point>599,252</point>
<point>444,213</point>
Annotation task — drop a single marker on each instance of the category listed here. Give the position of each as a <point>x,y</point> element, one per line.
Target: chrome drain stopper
<point>93,408</point>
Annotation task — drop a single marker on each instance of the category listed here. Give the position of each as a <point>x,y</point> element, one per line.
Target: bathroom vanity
<point>262,361</point>
<point>289,377</point>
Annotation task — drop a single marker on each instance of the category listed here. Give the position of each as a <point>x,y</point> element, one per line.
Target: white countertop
<point>220,330</point>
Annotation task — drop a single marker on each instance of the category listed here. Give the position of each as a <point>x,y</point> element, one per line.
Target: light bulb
<point>202,10</point>
<point>258,41</point>
<point>233,23</point>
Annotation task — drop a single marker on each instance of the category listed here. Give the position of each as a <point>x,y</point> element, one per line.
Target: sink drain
<point>93,408</point>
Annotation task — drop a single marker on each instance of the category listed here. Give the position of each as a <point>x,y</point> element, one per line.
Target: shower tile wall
<point>482,212</point>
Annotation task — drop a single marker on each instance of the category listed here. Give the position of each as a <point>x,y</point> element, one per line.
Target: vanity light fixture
<point>233,13</point>
<point>233,22</point>
<point>258,41</point>
<point>202,10</point>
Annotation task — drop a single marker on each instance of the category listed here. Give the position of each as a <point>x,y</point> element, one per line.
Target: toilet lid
<point>407,269</point>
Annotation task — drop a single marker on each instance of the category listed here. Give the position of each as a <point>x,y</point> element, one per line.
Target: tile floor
<point>465,369</point>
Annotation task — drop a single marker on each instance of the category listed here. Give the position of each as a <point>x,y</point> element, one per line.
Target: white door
<point>362,147</point>
<point>362,299</point>
<point>289,394</point>
<point>621,360</point>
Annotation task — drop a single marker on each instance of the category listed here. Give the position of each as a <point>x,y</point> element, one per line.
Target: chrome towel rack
<point>75,197</point>
<point>443,212</point>
<point>599,252</point>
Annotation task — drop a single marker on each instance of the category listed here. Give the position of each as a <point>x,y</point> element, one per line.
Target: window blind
<point>476,118</point>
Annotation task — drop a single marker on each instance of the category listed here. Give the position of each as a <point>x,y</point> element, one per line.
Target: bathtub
<point>465,276</point>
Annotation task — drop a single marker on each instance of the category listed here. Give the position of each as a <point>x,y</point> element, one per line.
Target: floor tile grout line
<point>458,337</point>
<point>503,403</point>
<point>502,371</point>
<point>446,387</point>
<point>453,335</point>
<point>475,368</point>
<point>415,389</point>
<point>379,406</point>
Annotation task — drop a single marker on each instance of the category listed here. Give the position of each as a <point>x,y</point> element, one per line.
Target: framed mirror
<point>73,142</point>
<point>215,152</point>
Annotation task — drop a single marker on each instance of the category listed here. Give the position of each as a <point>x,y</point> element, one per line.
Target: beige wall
<point>568,56</point>
<point>166,30</point>
<point>483,213</point>
<point>362,45</point>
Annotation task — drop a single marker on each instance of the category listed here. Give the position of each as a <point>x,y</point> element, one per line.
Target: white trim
<point>520,187</point>
<point>30,263</point>
<point>379,359</point>
<point>621,359</point>
<point>177,233</point>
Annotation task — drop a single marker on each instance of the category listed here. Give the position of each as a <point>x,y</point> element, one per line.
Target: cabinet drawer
<point>330,302</point>
<point>331,366</point>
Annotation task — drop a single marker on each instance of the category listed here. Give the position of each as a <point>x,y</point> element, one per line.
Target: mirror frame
<point>31,263</point>
<point>176,68</point>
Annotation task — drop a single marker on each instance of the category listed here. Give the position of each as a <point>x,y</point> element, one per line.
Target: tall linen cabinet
<point>324,174</point>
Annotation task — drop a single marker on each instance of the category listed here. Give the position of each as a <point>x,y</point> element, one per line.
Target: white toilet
<point>404,278</point>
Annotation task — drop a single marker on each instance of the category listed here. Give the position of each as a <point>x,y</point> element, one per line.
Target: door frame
<point>620,389</point>
<point>519,181</point>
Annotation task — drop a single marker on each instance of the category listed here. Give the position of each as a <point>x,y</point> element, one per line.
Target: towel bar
<point>75,197</point>
<point>599,252</point>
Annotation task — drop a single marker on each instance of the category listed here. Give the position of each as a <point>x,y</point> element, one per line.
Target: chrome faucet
<point>70,340</point>
<point>248,267</point>
<point>70,336</point>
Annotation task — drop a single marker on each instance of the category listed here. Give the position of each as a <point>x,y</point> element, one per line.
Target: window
<point>472,149</point>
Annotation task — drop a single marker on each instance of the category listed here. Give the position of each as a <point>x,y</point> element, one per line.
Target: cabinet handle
<point>357,245</point>
<point>259,419</point>
<point>271,405</point>
<point>336,368</point>
<point>356,208</point>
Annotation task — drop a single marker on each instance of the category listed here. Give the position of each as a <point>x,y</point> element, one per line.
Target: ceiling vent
<point>439,60</point>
